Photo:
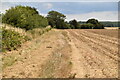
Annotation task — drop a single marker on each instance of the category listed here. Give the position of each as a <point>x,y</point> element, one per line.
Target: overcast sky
<point>80,10</point>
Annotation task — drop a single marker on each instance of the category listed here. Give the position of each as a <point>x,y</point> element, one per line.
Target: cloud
<point>3,8</point>
<point>43,14</point>
<point>60,0</point>
<point>47,5</point>
<point>101,16</point>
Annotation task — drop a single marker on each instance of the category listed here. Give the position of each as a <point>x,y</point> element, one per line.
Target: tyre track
<point>100,46</point>
<point>92,59</point>
<point>103,37</point>
<point>87,60</point>
<point>58,64</point>
<point>79,64</point>
<point>101,40</point>
<point>103,47</point>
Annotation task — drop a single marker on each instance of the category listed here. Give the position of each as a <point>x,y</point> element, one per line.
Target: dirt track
<point>67,54</point>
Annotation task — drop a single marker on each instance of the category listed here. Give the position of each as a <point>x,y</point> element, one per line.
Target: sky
<point>79,10</point>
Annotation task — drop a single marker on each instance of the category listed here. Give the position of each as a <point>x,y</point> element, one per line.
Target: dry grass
<point>31,33</point>
<point>19,30</point>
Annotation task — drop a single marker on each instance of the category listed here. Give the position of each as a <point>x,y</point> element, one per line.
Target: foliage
<point>93,21</point>
<point>74,24</point>
<point>62,25</point>
<point>87,26</point>
<point>11,39</point>
<point>24,17</point>
<point>57,20</point>
<point>97,25</point>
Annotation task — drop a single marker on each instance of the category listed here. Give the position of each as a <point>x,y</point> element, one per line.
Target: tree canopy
<point>96,23</point>
<point>74,24</point>
<point>57,20</point>
<point>92,21</point>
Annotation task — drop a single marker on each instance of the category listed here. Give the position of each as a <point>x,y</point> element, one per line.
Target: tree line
<point>57,20</point>
<point>110,24</point>
<point>28,18</point>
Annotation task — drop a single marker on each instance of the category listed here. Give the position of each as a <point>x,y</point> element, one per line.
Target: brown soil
<point>65,54</point>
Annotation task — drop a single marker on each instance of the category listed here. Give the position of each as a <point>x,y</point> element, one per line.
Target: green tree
<point>74,24</point>
<point>56,19</point>
<point>96,23</point>
<point>92,21</point>
<point>87,26</point>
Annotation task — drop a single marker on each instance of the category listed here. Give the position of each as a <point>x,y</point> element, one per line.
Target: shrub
<point>11,40</point>
<point>24,17</point>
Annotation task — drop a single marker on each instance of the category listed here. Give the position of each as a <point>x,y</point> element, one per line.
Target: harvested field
<point>109,33</point>
<point>68,53</point>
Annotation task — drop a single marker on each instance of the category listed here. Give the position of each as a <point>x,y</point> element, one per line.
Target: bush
<point>11,40</point>
<point>24,17</point>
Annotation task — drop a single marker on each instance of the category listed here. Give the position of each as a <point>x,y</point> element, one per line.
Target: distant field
<point>111,27</point>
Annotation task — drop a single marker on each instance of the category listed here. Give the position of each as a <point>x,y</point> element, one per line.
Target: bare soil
<point>65,54</point>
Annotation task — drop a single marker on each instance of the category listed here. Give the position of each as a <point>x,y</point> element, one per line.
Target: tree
<point>96,23</point>
<point>87,26</point>
<point>56,19</point>
<point>98,26</point>
<point>92,21</point>
<point>24,17</point>
<point>74,24</point>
